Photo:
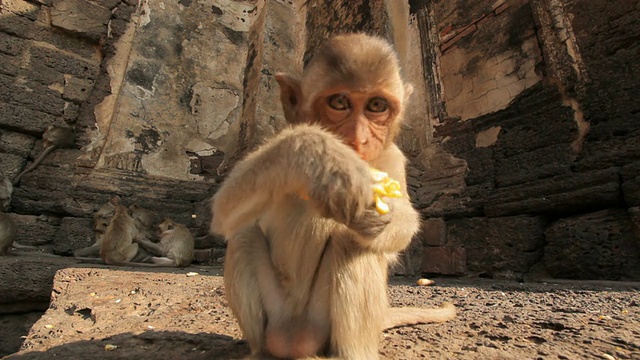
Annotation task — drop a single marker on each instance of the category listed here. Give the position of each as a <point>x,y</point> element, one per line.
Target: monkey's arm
<point>403,222</point>
<point>90,251</point>
<point>303,159</point>
<point>155,249</point>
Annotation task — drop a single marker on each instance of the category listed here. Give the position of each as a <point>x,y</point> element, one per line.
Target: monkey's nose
<point>360,150</point>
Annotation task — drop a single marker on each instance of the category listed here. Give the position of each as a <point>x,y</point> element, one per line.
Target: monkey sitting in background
<point>174,250</point>
<point>306,276</point>
<point>175,247</point>
<point>117,242</point>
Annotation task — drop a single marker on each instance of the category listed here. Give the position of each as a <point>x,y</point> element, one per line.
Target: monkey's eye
<point>377,105</point>
<point>338,102</point>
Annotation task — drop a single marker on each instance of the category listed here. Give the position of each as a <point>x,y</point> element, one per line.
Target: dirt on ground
<point>125,313</point>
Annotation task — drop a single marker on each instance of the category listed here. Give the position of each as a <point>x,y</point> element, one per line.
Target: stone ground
<point>148,314</point>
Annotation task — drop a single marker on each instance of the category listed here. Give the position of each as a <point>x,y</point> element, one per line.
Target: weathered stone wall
<point>523,127</point>
<point>534,164</point>
<point>164,98</point>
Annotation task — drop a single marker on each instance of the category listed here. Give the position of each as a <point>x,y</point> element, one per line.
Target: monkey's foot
<point>293,344</point>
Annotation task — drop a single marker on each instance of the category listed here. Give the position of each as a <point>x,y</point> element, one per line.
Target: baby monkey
<point>54,137</point>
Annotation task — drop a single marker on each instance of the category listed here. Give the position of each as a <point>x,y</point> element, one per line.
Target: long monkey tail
<point>414,315</point>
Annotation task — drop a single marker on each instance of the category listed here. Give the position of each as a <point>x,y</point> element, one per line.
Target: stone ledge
<point>27,281</point>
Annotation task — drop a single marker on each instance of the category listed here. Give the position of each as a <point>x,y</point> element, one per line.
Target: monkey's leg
<point>307,334</point>
<point>142,256</point>
<point>164,261</point>
<point>246,257</point>
<point>130,252</point>
<point>358,302</point>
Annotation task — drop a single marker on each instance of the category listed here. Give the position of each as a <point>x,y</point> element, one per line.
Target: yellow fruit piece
<point>378,176</point>
<point>381,206</point>
<point>379,189</point>
<point>384,186</point>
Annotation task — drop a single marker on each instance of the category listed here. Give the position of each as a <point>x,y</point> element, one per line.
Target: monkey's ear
<point>290,95</point>
<point>408,90</point>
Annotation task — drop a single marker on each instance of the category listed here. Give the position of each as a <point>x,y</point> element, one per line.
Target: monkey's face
<point>361,118</point>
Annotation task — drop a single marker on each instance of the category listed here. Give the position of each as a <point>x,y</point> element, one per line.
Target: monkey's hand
<point>343,195</point>
<point>372,223</point>
<point>384,186</point>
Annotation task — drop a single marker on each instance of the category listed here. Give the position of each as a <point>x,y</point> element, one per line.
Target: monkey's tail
<point>91,260</point>
<point>414,315</point>
<point>17,245</point>
<point>37,161</point>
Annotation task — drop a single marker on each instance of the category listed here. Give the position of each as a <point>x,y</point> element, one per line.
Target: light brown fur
<point>175,247</point>
<point>308,277</point>
<point>107,210</point>
<point>144,219</point>
<point>101,219</point>
<point>117,243</point>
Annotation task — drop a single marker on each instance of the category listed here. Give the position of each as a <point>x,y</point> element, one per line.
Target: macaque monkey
<point>143,218</point>
<point>54,137</point>
<point>143,221</point>
<point>175,247</point>
<point>101,219</point>
<point>308,254</point>
<point>99,228</point>
<point>107,210</point>
<point>117,242</point>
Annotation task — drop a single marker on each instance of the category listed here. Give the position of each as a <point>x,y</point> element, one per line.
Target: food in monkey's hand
<point>384,186</point>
